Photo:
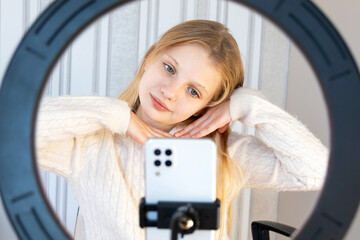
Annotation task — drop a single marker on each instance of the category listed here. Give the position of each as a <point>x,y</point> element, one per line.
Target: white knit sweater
<point>83,139</point>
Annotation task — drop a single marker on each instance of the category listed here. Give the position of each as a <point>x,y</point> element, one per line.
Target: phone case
<point>179,170</point>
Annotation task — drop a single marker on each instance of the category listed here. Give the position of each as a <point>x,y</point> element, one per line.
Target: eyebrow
<point>176,63</point>
<point>196,83</point>
<point>201,86</point>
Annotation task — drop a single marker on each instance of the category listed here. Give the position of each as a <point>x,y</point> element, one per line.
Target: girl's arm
<point>67,117</point>
<point>67,126</point>
<point>62,121</point>
<point>283,154</point>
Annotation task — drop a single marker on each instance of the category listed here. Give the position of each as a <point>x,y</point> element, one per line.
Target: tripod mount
<point>181,217</point>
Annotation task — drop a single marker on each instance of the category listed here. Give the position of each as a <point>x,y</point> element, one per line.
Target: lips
<point>158,105</point>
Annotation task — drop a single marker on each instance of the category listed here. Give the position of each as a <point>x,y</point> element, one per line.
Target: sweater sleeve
<point>61,121</point>
<point>283,154</point>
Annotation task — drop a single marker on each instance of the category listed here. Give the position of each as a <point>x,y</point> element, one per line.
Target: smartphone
<point>179,169</point>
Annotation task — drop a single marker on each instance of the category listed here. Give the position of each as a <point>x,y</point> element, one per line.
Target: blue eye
<point>193,92</point>
<point>169,69</point>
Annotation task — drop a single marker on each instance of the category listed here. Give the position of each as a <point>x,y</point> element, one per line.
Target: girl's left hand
<point>215,118</point>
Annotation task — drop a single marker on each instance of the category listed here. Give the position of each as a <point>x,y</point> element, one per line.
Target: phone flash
<point>157,173</point>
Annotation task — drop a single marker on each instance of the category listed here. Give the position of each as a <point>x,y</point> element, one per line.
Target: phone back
<point>179,169</point>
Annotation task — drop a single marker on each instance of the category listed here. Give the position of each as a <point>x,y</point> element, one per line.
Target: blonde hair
<point>224,52</point>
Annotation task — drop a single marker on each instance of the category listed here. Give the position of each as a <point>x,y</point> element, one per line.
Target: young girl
<point>189,84</point>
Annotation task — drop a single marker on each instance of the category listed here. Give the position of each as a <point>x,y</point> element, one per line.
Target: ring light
<point>54,30</point>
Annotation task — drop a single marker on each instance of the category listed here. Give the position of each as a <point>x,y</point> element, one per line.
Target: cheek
<point>189,108</point>
<point>144,84</point>
<point>149,80</point>
<point>144,90</point>
<point>141,88</point>
<point>197,108</point>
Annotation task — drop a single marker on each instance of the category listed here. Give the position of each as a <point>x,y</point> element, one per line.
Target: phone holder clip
<point>181,217</point>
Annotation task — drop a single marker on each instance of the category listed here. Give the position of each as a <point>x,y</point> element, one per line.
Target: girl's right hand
<point>141,131</point>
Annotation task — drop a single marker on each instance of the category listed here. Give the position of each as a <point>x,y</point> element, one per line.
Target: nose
<point>170,90</point>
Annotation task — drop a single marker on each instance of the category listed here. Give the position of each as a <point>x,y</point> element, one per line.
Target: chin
<point>153,116</point>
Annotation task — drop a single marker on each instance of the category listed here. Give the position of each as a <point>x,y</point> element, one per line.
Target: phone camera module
<point>157,163</point>
<point>157,152</point>
<point>168,163</point>
<point>168,152</point>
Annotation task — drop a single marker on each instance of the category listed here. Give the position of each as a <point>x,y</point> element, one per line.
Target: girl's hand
<point>215,118</point>
<point>141,131</point>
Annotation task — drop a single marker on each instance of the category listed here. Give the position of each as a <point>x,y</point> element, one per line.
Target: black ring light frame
<point>54,30</point>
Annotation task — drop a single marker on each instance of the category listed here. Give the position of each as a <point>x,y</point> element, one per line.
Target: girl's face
<point>177,84</point>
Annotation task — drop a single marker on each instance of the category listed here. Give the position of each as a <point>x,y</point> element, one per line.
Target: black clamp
<point>181,217</point>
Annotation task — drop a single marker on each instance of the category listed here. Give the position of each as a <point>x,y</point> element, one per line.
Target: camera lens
<point>168,163</point>
<point>157,163</point>
<point>168,152</point>
<point>157,152</point>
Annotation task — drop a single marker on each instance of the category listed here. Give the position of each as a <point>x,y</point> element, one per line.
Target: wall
<point>304,99</point>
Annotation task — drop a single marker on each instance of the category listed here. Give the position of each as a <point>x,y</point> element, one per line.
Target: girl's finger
<point>163,133</point>
<point>213,123</point>
<point>204,131</point>
<point>159,133</point>
<point>204,128</point>
<point>223,128</point>
<point>209,129</point>
<point>191,126</point>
